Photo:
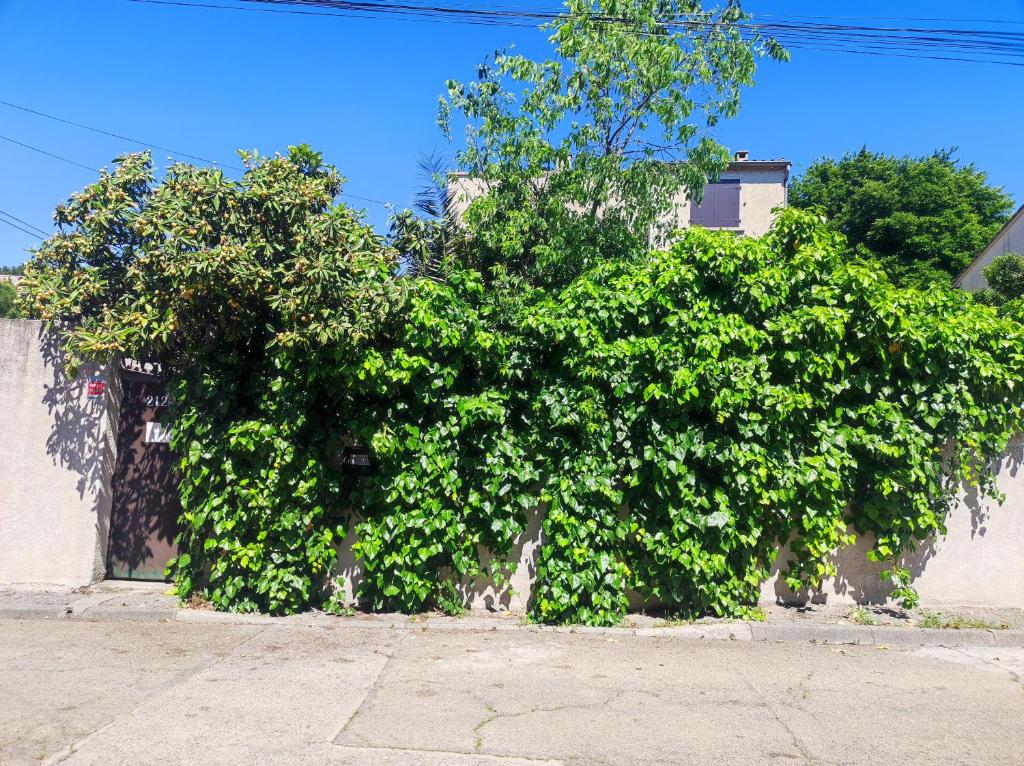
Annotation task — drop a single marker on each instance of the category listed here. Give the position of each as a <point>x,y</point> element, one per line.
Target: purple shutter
<point>720,208</point>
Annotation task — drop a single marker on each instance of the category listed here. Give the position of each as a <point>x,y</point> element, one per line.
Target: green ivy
<point>699,408</point>
<point>675,416</point>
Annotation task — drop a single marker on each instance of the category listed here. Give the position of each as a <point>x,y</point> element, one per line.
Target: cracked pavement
<point>148,692</point>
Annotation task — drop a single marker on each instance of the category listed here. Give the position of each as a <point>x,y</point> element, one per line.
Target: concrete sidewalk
<point>113,600</point>
<point>407,693</point>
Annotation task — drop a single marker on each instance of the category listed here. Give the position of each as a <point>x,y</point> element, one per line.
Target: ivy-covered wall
<point>678,414</point>
<point>977,562</point>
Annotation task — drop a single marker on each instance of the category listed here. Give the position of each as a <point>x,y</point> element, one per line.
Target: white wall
<point>980,561</point>
<point>1009,240</point>
<point>58,456</point>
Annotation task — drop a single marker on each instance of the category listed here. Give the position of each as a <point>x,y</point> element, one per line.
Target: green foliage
<point>701,406</point>
<point>674,415</point>
<point>254,293</point>
<point>1005,276</point>
<point>580,155</point>
<point>921,220</point>
<point>861,616</point>
<point>957,622</point>
<point>445,414</point>
<point>8,296</point>
<point>17,270</point>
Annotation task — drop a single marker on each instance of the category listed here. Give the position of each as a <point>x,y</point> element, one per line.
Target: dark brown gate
<point>145,505</point>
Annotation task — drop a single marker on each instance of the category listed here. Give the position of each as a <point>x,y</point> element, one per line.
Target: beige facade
<point>762,185</point>
<point>59,450</point>
<point>1010,239</point>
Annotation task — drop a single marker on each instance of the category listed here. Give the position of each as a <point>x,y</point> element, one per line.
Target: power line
<point>143,143</point>
<point>116,135</point>
<point>19,228</point>
<point>48,154</point>
<point>943,44</point>
<point>23,223</point>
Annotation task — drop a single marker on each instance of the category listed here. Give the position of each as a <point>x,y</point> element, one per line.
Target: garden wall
<point>980,562</point>
<point>58,450</point>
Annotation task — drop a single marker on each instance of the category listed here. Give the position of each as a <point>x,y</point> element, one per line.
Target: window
<point>720,208</point>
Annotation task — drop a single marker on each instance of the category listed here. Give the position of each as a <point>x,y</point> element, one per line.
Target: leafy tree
<point>8,297</point>
<point>920,219</point>
<point>17,270</point>
<point>581,155</point>
<point>696,408</point>
<point>255,294</point>
<point>1005,277</point>
<point>428,236</point>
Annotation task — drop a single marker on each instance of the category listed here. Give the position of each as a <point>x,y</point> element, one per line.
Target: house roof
<point>760,164</point>
<point>734,166</point>
<point>1014,219</point>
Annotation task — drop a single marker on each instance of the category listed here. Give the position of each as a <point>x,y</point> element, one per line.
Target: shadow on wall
<point>977,562</point>
<point>146,504</point>
<point>82,434</point>
<point>516,590</point>
<point>859,580</point>
<point>481,592</point>
<point>1008,466</point>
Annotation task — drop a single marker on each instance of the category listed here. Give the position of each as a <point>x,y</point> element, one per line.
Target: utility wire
<point>19,228</point>
<point>48,154</point>
<point>136,141</point>
<point>908,42</point>
<point>23,223</point>
<point>116,135</point>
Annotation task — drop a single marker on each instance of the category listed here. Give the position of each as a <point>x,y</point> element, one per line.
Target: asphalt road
<point>106,692</point>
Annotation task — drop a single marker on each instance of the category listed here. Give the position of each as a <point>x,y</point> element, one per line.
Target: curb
<point>730,631</point>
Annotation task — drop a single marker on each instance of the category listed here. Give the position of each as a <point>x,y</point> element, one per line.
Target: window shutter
<point>720,208</point>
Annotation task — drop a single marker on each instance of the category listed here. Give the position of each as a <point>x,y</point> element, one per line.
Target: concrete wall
<point>57,460</point>
<point>980,562</point>
<point>1009,240</point>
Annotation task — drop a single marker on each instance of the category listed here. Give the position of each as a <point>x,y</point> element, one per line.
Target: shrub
<point>677,415</point>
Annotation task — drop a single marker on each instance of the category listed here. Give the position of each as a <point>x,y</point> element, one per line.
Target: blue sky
<point>365,92</point>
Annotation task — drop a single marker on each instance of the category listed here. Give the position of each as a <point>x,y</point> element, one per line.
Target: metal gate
<point>145,505</point>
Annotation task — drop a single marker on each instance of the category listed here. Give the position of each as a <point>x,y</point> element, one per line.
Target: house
<point>11,278</point>
<point>743,199</point>
<point>1010,239</point>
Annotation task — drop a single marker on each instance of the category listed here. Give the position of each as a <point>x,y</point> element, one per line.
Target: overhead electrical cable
<point>48,154</point>
<point>19,228</point>
<point>994,46</point>
<point>23,222</point>
<point>134,141</point>
<point>117,135</point>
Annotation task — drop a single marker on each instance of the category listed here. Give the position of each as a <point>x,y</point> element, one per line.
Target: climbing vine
<point>673,416</point>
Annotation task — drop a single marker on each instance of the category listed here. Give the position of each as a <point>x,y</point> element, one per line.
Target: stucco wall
<point>58,455</point>
<point>763,189</point>
<point>1009,240</point>
<point>980,562</point>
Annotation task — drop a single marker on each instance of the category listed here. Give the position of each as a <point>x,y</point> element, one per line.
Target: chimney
<point>741,155</point>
